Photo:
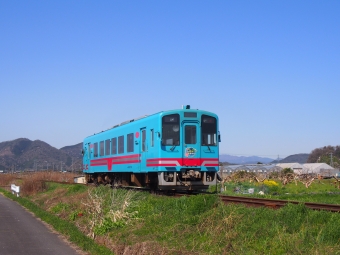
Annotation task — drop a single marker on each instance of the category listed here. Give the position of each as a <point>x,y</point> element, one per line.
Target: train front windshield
<point>170,129</point>
<point>209,130</point>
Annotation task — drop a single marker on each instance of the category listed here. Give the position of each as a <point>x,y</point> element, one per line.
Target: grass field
<point>128,222</point>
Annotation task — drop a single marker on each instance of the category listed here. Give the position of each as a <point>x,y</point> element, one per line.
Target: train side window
<point>120,144</point>
<point>95,150</point>
<point>152,137</point>
<point>114,145</point>
<point>101,146</point>
<point>130,142</point>
<point>143,140</point>
<point>107,147</point>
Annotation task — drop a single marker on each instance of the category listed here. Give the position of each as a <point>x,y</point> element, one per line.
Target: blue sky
<point>269,69</point>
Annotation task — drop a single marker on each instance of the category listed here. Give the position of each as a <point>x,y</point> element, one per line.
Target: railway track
<point>276,204</point>
<point>271,203</point>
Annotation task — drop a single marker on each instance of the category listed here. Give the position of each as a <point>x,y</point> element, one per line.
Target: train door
<point>86,156</point>
<point>191,142</point>
<point>143,149</point>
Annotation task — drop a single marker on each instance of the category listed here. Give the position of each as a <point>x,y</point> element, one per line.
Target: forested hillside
<point>326,155</point>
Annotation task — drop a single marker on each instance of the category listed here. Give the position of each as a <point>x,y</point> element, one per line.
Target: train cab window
<point>130,142</point>
<point>95,150</point>
<point>114,145</point>
<point>152,138</point>
<point>190,134</point>
<point>170,129</point>
<point>209,130</point>
<point>107,147</point>
<point>143,140</point>
<point>120,144</point>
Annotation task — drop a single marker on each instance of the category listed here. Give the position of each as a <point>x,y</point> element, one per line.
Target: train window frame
<point>101,148</point>
<point>152,139</point>
<point>121,144</point>
<point>208,130</point>
<point>114,146</point>
<point>107,147</point>
<point>171,130</point>
<point>129,141</point>
<point>95,150</point>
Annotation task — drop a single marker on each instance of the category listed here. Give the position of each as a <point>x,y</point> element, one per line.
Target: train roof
<point>184,108</point>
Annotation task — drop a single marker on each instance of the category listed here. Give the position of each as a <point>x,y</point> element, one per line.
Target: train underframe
<point>185,180</point>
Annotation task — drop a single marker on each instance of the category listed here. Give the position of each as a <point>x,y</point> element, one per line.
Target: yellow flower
<point>270,183</point>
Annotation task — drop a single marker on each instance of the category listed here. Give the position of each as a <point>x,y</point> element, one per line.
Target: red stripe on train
<point>182,162</point>
<point>135,158</point>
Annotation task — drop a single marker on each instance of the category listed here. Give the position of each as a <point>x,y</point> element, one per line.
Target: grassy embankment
<point>140,223</point>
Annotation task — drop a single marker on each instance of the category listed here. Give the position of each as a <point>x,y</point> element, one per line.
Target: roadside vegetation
<point>102,220</point>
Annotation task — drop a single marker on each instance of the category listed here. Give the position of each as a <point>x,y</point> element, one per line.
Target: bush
<point>273,187</point>
<point>31,187</point>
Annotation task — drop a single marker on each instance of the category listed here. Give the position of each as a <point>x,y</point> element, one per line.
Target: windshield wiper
<point>206,145</point>
<point>174,145</point>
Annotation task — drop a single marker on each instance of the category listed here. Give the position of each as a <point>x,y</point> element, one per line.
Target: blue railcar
<point>169,150</point>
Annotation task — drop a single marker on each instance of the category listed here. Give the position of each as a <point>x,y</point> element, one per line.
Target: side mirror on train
<point>219,137</point>
<point>82,152</point>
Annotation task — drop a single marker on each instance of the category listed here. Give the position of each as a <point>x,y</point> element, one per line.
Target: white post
<point>15,189</point>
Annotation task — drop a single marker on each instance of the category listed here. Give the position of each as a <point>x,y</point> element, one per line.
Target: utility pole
<point>331,159</point>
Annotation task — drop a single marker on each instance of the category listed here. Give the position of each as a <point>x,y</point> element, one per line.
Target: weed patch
<point>76,189</point>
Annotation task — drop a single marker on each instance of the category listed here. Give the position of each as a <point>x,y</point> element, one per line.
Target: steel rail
<point>275,203</point>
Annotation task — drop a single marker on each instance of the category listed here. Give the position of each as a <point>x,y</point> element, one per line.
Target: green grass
<point>199,224</point>
<point>72,189</point>
<point>202,225</point>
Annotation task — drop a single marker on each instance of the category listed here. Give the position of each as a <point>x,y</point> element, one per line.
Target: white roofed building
<point>318,168</point>
<point>296,167</point>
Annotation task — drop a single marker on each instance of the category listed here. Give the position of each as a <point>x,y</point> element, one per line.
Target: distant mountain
<point>296,158</point>
<point>73,150</point>
<point>22,153</point>
<point>239,160</point>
